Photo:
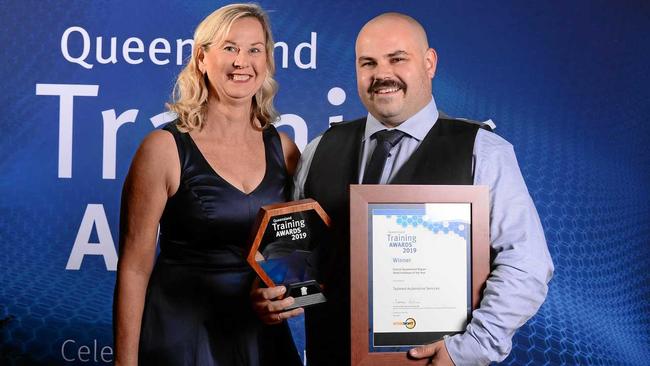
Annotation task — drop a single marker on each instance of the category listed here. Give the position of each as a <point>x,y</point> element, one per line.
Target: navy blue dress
<point>197,307</point>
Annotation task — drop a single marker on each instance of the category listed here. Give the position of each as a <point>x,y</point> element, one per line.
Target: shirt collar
<point>417,126</point>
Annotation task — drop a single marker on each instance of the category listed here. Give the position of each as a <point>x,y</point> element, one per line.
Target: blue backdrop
<point>565,82</point>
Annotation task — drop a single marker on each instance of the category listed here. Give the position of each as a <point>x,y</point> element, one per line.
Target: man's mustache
<point>385,83</point>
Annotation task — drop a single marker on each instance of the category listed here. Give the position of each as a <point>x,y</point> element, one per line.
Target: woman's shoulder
<point>156,162</point>
<point>158,142</point>
<point>157,150</point>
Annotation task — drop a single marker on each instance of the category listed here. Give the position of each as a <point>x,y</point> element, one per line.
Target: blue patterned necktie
<point>385,141</point>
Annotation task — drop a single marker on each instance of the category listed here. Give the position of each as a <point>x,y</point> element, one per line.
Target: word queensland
<point>77,47</point>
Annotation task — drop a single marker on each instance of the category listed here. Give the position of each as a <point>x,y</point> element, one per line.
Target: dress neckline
<point>232,186</point>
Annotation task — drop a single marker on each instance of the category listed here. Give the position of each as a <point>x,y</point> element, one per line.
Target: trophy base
<point>305,294</point>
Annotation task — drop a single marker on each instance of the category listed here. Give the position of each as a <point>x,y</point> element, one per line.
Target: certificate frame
<point>364,196</point>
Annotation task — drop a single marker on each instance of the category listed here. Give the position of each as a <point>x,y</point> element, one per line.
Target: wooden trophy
<point>284,249</point>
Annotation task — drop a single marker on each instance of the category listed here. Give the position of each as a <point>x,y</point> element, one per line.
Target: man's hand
<point>268,306</point>
<point>437,351</point>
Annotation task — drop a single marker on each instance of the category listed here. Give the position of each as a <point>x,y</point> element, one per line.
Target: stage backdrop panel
<point>566,83</point>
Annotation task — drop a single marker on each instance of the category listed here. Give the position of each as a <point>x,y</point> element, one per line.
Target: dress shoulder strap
<point>183,144</point>
<point>273,146</point>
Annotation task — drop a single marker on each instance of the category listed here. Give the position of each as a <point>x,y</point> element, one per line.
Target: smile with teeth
<point>386,90</point>
<point>239,77</point>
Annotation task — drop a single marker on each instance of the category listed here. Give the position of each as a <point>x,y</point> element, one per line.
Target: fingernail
<point>283,289</point>
<point>413,352</point>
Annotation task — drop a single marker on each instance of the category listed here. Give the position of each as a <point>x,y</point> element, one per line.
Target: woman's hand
<point>269,305</point>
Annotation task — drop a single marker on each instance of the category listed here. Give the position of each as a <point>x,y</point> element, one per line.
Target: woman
<point>203,178</point>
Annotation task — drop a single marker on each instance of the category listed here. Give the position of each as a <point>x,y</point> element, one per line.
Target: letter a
<point>94,216</point>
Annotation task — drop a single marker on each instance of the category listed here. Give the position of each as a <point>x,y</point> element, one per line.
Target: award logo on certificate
<point>421,257</point>
<point>282,251</point>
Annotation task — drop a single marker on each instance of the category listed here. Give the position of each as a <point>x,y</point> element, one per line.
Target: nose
<point>383,70</point>
<point>241,60</point>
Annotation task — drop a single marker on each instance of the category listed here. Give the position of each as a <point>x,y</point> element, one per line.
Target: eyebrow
<point>397,53</point>
<point>365,58</point>
<point>392,54</point>
<point>252,44</point>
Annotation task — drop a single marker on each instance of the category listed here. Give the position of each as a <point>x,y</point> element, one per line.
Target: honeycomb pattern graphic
<point>458,228</point>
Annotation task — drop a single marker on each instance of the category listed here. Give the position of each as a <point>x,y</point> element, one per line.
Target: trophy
<point>282,252</point>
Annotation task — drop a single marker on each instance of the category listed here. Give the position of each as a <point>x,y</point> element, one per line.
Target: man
<point>395,68</point>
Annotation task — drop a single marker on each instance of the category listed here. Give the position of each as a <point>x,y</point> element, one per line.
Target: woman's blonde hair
<point>190,95</point>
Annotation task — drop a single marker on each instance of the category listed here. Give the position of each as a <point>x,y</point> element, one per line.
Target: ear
<point>200,55</point>
<point>431,61</point>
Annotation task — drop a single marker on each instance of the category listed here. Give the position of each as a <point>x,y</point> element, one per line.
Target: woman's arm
<point>153,177</point>
<point>267,302</point>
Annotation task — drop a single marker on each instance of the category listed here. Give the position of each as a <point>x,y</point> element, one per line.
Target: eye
<point>395,60</point>
<point>368,64</point>
<point>230,49</point>
<point>255,50</point>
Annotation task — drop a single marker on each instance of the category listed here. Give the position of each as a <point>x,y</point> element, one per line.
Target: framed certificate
<point>420,256</point>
